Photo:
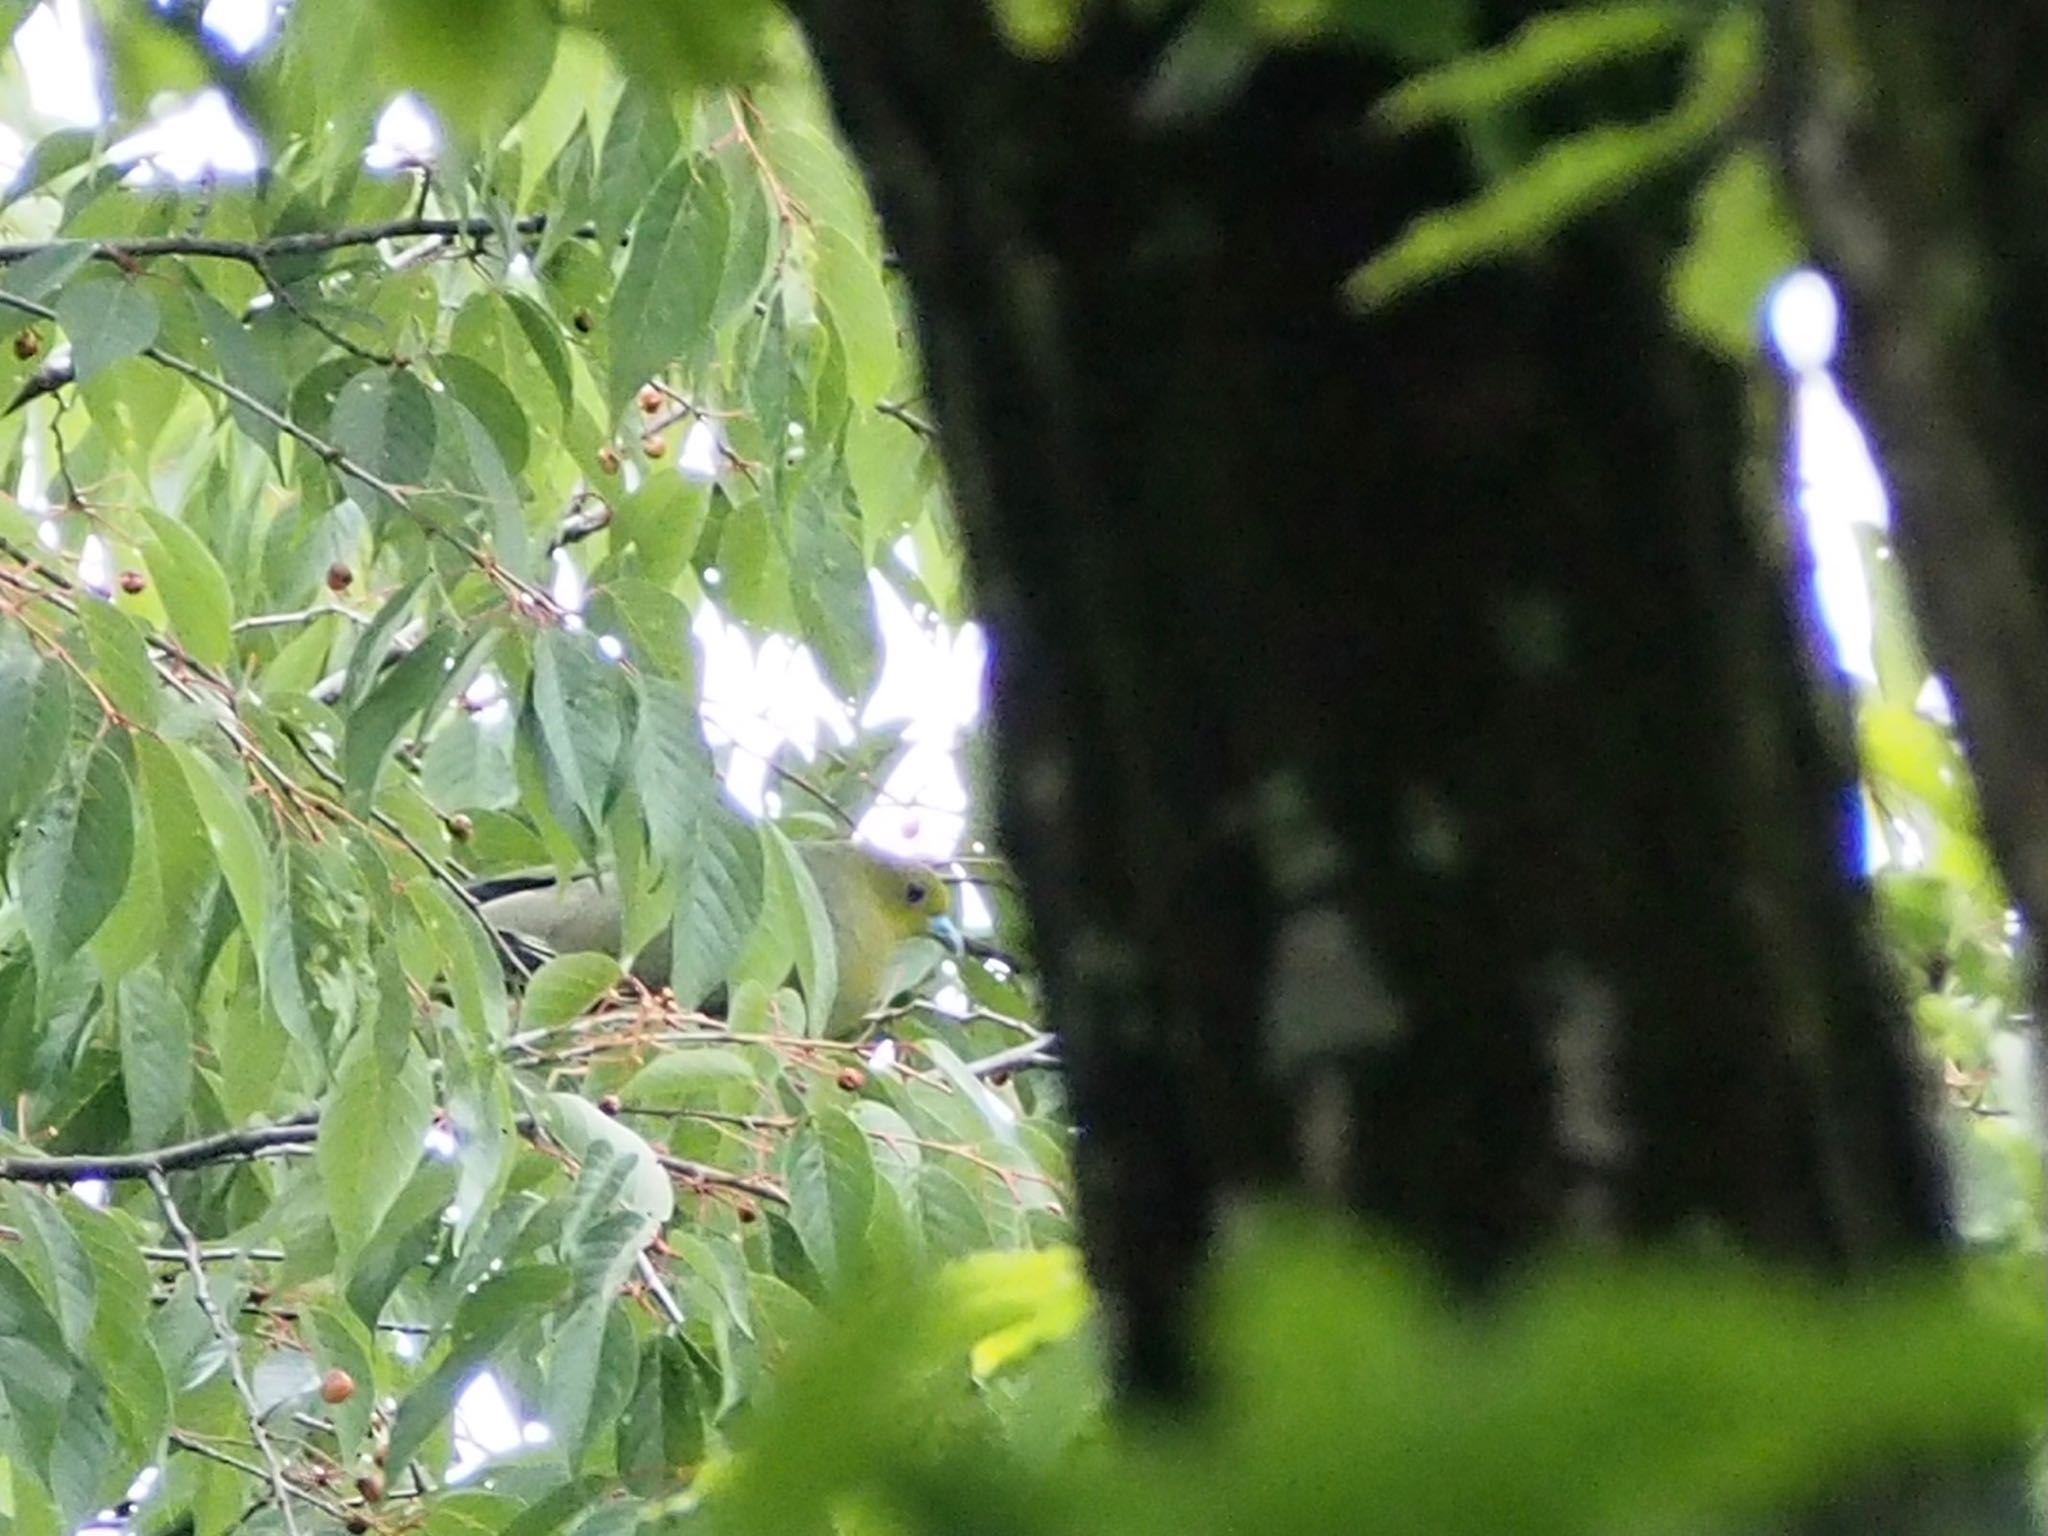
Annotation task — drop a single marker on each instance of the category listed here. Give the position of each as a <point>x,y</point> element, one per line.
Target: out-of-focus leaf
<point>107,319</point>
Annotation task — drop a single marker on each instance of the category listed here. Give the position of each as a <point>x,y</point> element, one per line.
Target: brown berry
<point>460,827</point>
<point>582,321</point>
<point>653,446</point>
<point>356,1523</point>
<point>998,1079</point>
<point>371,1486</point>
<point>609,1103</point>
<point>26,345</point>
<point>337,1386</point>
<point>747,1211</point>
<point>133,582</point>
<point>852,1079</point>
<point>608,459</point>
<point>339,576</point>
<point>650,398</point>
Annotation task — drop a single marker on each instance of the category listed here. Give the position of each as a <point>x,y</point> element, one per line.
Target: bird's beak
<point>948,933</point>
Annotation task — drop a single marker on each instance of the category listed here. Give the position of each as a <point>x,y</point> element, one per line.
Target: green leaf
<point>107,319</point>
<point>384,422</point>
<point>661,1435</point>
<point>35,721</point>
<point>565,987</point>
<point>372,1130</point>
<point>817,958</point>
<point>48,269</point>
<point>579,1125</point>
<point>487,398</point>
<point>717,881</point>
<point>231,832</point>
<point>479,62</point>
<point>366,661</point>
<point>574,701</point>
<point>497,1309</point>
<point>120,660</point>
<point>638,145</point>
<point>1037,29</point>
<point>685,1077</point>
<point>74,860</point>
<point>1743,240</point>
<point>122,1345</point>
<point>1551,49</point>
<point>663,305</point>
<point>248,360</point>
<point>829,582</point>
<point>374,725</point>
<point>849,283</point>
<point>194,589</point>
<point>156,1057</point>
<point>831,1178</point>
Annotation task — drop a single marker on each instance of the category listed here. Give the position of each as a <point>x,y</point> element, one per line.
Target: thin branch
<point>203,1151</point>
<point>908,417</point>
<point>658,1287</point>
<point>255,253</point>
<point>1040,1052</point>
<point>298,616</point>
<point>231,1345</point>
<point>703,1173</point>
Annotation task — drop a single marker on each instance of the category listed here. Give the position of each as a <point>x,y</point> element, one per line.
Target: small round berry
<point>852,1079</point>
<point>371,1486</point>
<point>654,446</point>
<point>609,1104</point>
<point>608,459</point>
<point>460,827</point>
<point>337,1386</point>
<point>26,345</point>
<point>133,582</point>
<point>583,323</point>
<point>747,1211</point>
<point>339,576</point>
<point>650,398</point>
<point>356,1523</point>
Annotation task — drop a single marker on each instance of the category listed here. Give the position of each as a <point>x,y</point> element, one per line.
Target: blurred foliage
<point>286,652</point>
<point>1347,1394</point>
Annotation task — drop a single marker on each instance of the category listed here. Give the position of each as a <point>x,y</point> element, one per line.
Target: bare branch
<point>256,253</point>
<point>658,1287</point>
<point>1040,1052</point>
<point>203,1151</point>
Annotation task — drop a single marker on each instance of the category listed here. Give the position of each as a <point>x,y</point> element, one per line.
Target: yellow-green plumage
<point>877,905</point>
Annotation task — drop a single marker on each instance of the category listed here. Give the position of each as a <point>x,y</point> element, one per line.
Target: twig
<point>670,1307</point>
<point>1040,1052</point>
<point>203,1151</point>
<point>298,616</point>
<point>230,1343</point>
<point>909,418</point>
<point>704,1173</point>
<point>254,253</point>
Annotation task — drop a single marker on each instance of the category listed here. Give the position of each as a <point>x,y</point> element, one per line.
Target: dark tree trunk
<point>1409,750</point>
<point>1917,142</point>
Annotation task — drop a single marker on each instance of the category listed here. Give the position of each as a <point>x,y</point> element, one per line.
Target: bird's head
<point>922,904</point>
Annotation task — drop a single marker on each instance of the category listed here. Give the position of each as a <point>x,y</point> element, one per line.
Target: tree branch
<point>256,253</point>
<point>204,1151</point>
<point>230,1343</point>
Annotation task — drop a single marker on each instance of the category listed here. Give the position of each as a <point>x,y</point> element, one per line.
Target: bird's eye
<point>916,893</point>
